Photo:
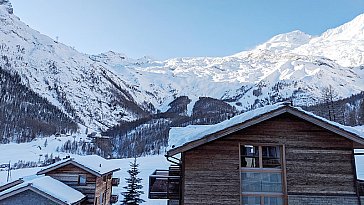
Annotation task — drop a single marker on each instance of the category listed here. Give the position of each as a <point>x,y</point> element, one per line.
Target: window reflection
<point>251,200</point>
<point>262,183</point>
<point>271,157</point>
<point>250,156</point>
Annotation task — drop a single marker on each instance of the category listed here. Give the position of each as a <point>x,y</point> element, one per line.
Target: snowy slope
<point>100,90</point>
<point>344,44</point>
<point>292,65</point>
<point>84,88</point>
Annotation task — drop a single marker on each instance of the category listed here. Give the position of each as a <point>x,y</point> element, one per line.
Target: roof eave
<point>358,141</point>
<point>79,166</point>
<point>335,129</point>
<point>112,171</point>
<point>227,131</point>
<point>44,171</point>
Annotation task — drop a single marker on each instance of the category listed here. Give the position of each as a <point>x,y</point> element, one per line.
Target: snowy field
<point>36,150</point>
<point>146,166</point>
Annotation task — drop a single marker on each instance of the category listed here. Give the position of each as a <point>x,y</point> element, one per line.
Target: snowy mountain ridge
<point>101,90</point>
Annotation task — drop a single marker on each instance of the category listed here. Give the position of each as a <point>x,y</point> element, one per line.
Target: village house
<point>85,180</point>
<point>42,190</point>
<point>275,155</point>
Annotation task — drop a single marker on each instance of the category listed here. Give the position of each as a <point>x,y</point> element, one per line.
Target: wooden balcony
<point>114,199</point>
<point>165,184</point>
<point>115,182</point>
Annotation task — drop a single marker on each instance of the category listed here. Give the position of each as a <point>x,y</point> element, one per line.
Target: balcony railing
<point>115,181</point>
<point>165,184</point>
<point>114,199</point>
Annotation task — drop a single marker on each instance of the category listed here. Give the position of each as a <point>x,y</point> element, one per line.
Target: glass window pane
<point>251,200</point>
<point>249,156</point>
<point>273,201</point>
<point>82,179</point>
<point>261,182</point>
<point>271,156</point>
<point>251,182</point>
<point>250,150</point>
<point>250,162</point>
<point>271,182</point>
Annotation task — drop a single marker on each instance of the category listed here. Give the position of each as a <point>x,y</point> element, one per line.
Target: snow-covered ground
<point>34,150</point>
<point>146,166</point>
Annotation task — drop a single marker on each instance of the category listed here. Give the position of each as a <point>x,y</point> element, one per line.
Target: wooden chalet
<point>42,190</point>
<point>275,155</point>
<point>90,175</point>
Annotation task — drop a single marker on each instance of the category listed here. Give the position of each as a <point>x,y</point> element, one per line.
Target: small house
<point>91,175</point>
<point>43,190</point>
<point>275,155</point>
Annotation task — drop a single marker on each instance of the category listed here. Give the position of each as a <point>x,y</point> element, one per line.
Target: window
<point>82,179</point>
<point>261,171</point>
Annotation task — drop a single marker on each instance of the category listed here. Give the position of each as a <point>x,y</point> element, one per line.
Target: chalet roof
<point>186,138</point>
<point>93,164</point>
<point>47,187</point>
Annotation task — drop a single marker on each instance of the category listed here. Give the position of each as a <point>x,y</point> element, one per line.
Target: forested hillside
<point>25,115</point>
<point>149,135</point>
<point>347,111</point>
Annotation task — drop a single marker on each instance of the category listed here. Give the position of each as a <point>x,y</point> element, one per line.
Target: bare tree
<point>329,95</point>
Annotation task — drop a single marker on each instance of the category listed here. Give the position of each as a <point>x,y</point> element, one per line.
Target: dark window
<point>271,157</point>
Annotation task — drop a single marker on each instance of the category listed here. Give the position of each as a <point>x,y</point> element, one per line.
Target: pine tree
<point>133,188</point>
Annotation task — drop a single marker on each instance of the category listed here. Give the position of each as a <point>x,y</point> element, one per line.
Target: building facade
<point>276,155</point>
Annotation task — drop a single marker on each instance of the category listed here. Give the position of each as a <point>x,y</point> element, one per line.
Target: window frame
<point>79,179</point>
<point>281,170</point>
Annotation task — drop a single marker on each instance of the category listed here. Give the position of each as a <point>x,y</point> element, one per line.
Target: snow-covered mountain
<point>100,90</point>
<point>81,86</point>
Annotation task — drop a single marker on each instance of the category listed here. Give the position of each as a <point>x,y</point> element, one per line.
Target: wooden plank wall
<point>104,187</point>
<point>68,174</point>
<point>318,162</point>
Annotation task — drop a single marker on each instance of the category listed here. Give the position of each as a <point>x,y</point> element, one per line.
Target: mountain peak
<point>7,5</point>
<point>295,37</point>
<point>286,41</point>
<point>352,30</point>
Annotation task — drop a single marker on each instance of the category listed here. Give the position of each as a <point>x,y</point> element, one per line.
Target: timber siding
<point>103,187</point>
<point>318,162</point>
<point>27,197</point>
<point>68,174</point>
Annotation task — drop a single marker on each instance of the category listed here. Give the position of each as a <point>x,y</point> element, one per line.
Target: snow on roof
<point>92,163</point>
<point>354,130</point>
<point>51,187</point>
<point>179,136</point>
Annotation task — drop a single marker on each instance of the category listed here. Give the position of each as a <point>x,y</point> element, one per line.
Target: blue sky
<point>170,28</point>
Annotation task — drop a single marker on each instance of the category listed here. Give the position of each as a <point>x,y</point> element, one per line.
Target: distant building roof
<point>91,163</point>
<point>48,187</point>
<point>183,139</point>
